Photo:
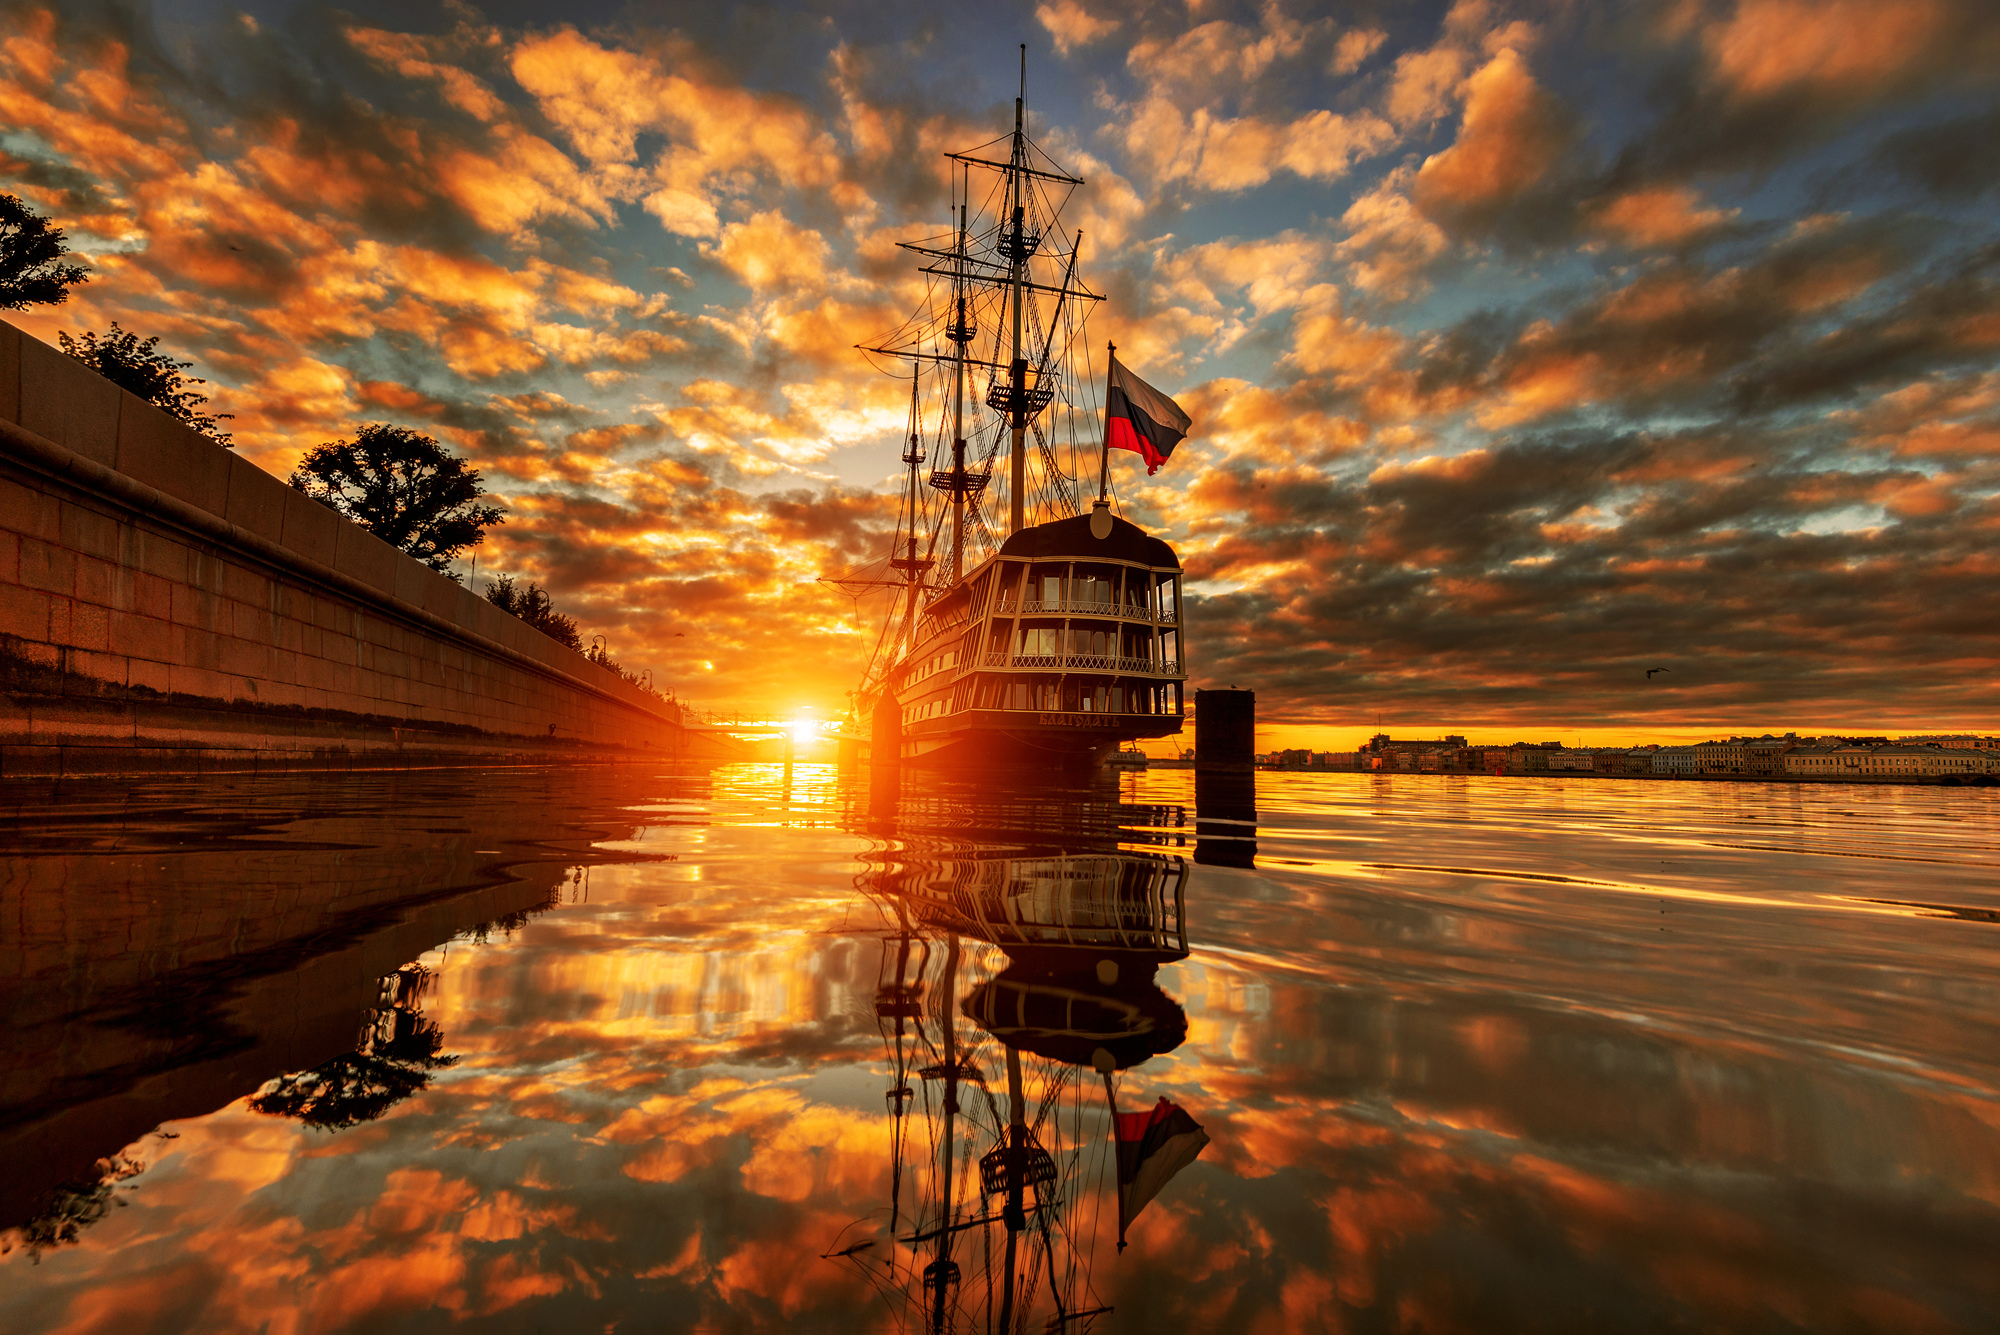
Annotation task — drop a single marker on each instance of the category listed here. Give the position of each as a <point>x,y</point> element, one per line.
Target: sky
<point>1527,347</point>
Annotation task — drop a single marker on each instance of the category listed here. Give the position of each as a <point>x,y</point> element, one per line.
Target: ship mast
<point>1018,251</point>
<point>964,326</point>
<point>909,563</point>
<point>1021,381</point>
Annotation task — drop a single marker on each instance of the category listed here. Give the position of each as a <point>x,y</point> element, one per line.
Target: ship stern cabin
<point>1056,649</point>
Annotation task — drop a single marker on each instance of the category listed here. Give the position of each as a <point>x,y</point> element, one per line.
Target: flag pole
<point>1104,455</point>
<point>1104,1069</point>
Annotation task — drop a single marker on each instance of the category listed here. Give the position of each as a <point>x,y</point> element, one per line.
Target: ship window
<point>1089,640</point>
<point>1137,584</point>
<point>1095,586</point>
<point>1010,582</point>
<point>1050,579</point>
<point>1041,641</point>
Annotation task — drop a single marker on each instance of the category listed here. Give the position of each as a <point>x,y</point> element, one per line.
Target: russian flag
<point>1139,418</point>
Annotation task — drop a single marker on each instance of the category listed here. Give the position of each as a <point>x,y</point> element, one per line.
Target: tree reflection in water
<point>397,1052</point>
<point>73,1207</point>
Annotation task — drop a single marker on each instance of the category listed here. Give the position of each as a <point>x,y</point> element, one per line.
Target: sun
<point>804,729</point>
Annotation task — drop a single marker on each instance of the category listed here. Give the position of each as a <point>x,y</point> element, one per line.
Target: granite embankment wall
<point>165,604</point>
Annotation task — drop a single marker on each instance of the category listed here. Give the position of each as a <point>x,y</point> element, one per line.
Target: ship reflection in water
<point>1084,926</point>
<point>771,1048</point>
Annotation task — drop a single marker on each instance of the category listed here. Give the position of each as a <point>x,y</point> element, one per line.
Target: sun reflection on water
<point>1601,1046</point>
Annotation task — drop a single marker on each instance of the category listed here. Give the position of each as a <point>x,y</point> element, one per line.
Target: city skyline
<point>1528,349</point>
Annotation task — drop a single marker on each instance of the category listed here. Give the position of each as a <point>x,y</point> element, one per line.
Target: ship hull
<point>990,739</point>
<point>1053,653</point>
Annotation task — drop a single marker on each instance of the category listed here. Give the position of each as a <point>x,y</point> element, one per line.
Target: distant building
<point>1891,762</point>
<point>1920,762</point>
<point>1839,761</point>
<point>1679,761</point>
<point>1763,758</point>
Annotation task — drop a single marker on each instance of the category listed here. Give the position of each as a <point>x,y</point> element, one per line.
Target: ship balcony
<point>1087,607</point>
<point>1138,667</point>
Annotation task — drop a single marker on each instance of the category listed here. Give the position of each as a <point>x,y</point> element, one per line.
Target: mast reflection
<point>1084,921</point>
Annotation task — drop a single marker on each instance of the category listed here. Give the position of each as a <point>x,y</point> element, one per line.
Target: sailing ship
<point>1061,639</point>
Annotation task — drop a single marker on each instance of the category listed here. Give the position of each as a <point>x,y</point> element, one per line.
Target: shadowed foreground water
<point>563,1050</point>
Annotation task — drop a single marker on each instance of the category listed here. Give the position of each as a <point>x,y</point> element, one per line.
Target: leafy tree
<point>601,656</point>
<point>31,272</point>
<point>531,603</point>
<point>154,376</point>
<point>402,487</point>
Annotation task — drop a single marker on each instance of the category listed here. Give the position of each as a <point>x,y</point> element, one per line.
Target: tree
<point>531,603</point>
<point>601,656</point>
<point>154,376</point>
<point>402,487</point>
<point>30,253</point>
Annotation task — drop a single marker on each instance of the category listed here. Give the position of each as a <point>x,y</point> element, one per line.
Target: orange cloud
<point>1765,47</point>
<point>1513,132</point>
<point>1660,216</point>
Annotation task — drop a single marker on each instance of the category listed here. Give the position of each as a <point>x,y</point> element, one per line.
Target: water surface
<point>566,1050</point>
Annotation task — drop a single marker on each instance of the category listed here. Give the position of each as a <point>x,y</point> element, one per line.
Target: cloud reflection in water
<point>1450,1100</point>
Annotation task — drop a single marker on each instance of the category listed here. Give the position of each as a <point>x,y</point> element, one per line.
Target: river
<point>610,1050</point>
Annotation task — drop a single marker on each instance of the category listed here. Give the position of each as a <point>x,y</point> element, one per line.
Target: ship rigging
<point>1052,636</point>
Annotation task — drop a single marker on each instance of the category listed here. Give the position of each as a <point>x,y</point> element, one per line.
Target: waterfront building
<point>1922,762</point>
<point>1730,756</point>
<point>1957,741</point>
<point>1764,758</point>
<point>1679,761</point>
<point>1891,762</point>
<point>1839,761</point>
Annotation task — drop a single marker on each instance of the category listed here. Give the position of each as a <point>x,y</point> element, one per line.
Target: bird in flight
<point>1651,671</point>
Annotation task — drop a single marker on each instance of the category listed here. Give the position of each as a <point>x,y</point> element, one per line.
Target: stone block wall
<point>165,603</point>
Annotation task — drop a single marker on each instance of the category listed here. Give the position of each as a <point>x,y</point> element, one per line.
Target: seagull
<point>1651,671</point>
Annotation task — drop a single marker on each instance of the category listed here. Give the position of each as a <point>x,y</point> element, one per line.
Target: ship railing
<point>1144,667</point>
<point>1085,607</point>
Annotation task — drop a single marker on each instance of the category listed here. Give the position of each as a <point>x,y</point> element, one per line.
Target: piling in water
<point>1225,791</point>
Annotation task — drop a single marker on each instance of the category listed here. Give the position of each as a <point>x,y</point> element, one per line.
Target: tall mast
<point>958,413</point>
<point>912,567</point>
<point>1018,456</point>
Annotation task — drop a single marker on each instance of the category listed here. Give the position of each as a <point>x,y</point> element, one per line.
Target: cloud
<point>1354,47</point>
<point>1072,26</point>
<point>1514,132</point>
<point>1660,216</point>
<point>1388,242</point>
<point>1762,48</point>
<point>769,252</point>
<point>1238,153</point>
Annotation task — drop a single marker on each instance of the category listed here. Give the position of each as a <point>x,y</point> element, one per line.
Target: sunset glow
<point>1527,346</point>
